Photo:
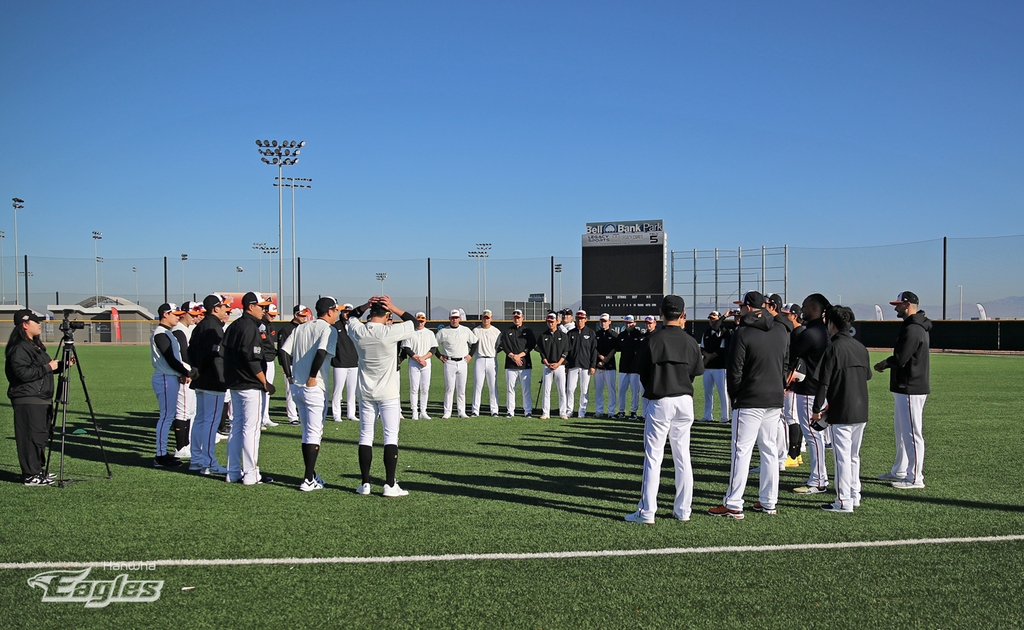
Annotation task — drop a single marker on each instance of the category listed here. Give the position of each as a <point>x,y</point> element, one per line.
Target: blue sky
<point>433,126</point>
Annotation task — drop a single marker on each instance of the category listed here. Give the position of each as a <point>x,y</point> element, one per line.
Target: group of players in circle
<point>780,371</point>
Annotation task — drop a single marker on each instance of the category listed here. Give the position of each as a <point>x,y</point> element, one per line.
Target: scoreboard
<point>624,268</point>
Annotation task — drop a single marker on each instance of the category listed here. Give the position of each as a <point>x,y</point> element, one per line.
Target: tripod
<point>60,406</point>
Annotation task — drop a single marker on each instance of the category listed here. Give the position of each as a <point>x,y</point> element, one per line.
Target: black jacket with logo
<point>629,344</point>
<point>582,348</point>
<point>243,353</point>
<point>206,351</point>
<point>668,362</point>
<point>553,346</point>
<point>607,346</point>
<point>756,367</point>
<point>345,355</point>
<point>843,376</point>
<point>808,348</point>
<point>715,342</point>
<point>909,363</point>
<point>516,339</point>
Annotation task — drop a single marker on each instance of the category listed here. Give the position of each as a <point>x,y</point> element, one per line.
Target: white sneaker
<point>564,417</point>
<point>681,517</point>
<point>907,485</point>
<point>363,488</point>
<point>309,485</point>
<point>184,453</point>
<point>637,517</point>
<point>425,417</point>
<point>415,416</point>
<point>447,417</point>
<point>544,416</point>
<point>337,420</point>
<point>394,491</point>
<point>270,423</point>
<point>889,476</point>
<point>221,437</point>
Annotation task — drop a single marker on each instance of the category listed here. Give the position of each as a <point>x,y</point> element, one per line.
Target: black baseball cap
<point>325,304</point>
<point>565,311</point>
<point>169,307</point>
<point>776,301</point>
<point>214,300</point>
<point>255,298</point>
<point>673,304</point>
<point>25,315</point>
<point>792,309</point>
<point>753,299</point>
<point>906,296</point>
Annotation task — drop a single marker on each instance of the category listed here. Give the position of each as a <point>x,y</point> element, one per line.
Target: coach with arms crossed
<point>667,364</point>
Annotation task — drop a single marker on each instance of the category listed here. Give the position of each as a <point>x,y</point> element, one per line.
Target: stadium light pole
<point>18,205</point>
<point>259,253</point>
<point>961,287</point>
<point>135,270</point>
<point>478,255</point>
<point>291,184</point>
<point>184,257</point>
<point>558,270</point>
<point>96,238</point>
<point>99,261</point>
<point>382,277</point>
<point>484,249</point>
<point>270,251</point>
<point>280,155</point>
<point>3,280</point>
<point>238,279</point>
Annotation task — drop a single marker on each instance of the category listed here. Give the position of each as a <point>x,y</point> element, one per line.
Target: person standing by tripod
<point>30,373</point>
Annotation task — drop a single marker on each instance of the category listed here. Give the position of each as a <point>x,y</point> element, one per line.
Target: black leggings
<point>31,430</point>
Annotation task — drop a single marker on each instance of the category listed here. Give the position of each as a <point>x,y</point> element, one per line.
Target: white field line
<point>553,555</point>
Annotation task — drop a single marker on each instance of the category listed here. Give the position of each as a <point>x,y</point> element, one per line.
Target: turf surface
<point>497,485</point>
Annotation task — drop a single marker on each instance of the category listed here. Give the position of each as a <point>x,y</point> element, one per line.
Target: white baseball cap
<point>650,318</point>
<point>605,317</point>
<point>486,313</point>
<point>421,315</point>
<point>455,313</point>
<point>346,307</point>
<point>629,318</point>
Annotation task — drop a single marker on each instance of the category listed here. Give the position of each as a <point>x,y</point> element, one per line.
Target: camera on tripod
<point>68,327</point>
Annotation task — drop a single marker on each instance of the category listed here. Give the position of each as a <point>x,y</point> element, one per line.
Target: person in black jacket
<point>805,354</point>
<point>581,362</point>
<point>268,360</point>
<point>712,346</point>
<point>773,304</point>
<point>553,348</point>
<point>243,353</point>
<point>344,371</point>
<point>795,436</point>
<point>30,387</point>
<point>517,342</point>
<point>909,384</point>
<point>605,377</point>
<point>206,350</point>
<point>629,379</point>
<point>668,362</point>
<point>756,378</point>
<point>843,376</point>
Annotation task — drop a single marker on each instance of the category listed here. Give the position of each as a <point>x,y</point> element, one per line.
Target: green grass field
<point>494,485</point>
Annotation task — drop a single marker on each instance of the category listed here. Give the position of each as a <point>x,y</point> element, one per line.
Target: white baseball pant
<point>485,370</point>
<point>310,402</point>
<point>815,442</point>
<point>523,377</point>
<point>908,416</point>
<point>581,376</point>
<point>750,426</point>
<point>787,418</point>
<point>344,379</point>
<point>846,441</point>
<point>185,407</point>
<point>209,406</point>
<point>289,402</point>
<point>419,388</point>
<point>605,379</point>
<point>558,375</point>
<point>671,419</point>
<point>244,441</point>
<point>166,389</point>
<point>390,412</point>
<point>455,386</point>
<point>715,380</point>
<point>629,382</point>
<point>269,375</point>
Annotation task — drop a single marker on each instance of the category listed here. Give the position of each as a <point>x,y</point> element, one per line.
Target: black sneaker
<point>40,479</point>
<point>166,461</point>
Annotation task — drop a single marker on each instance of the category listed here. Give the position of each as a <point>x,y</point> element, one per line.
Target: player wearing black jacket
<point>910,385</point>
<point>629,380</point>
<point>756,377</point>
<point>667,364</point>
<point>604,377</point>
<point>806,355</point>
<point>243,358</point>
<point>713,345</point>
<point>517,342</point>
<point>553,348</point>
<point>843,376</point>
<point>345,370</point>
<point>206,349</point>
<point>581,363</point>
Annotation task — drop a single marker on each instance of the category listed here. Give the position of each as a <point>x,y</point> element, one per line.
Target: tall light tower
<point>290,182</point>
<point>3,280</point>
<point>280,155</point>
<point>18,205</point>
<point>270,251</point>
<point>135,270</point>
<point>184,257</point>
<point>99,261</point>
<point>238,279</point>
<point>96,238</point>
<point>259,252</point>
<point>478,255</point>
<point>382,277</point>
<point>961,287</point>
<point>558,270</point>
<point>484,249</point>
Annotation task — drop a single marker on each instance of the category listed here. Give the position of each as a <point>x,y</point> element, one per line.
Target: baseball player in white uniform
<point>169,374</point>
<point>309,348</point>
<point>420,349</point>
<point>379,386</point>
<point>485,368</point>
<point>668,363</point>
<point>454,349</point>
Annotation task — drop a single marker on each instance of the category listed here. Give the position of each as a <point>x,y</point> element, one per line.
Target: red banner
<point>116,318</point>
